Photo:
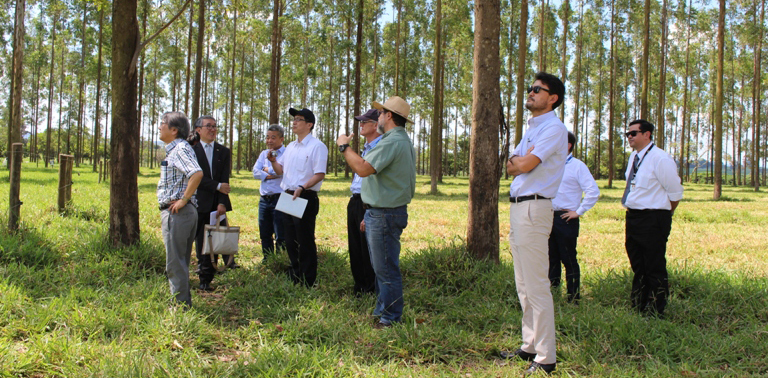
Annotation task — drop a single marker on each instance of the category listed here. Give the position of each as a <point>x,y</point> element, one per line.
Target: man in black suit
<point>213,192</point>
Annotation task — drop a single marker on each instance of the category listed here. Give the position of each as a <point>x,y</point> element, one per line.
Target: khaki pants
<point>530,225</point>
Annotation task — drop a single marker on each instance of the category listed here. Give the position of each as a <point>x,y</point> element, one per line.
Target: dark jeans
<point>562,249</point>
<point>383,228</point>
<point>270,223</point>
<point>205,262</point>
<point>359,256</point>
<point>300,241</point>
<point>646,242</point>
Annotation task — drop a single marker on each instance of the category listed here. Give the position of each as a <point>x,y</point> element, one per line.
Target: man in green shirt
<point>388,187</point>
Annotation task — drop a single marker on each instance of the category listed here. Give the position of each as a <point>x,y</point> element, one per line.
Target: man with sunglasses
<point>359,258</point>
<point>303,167</point>
<point>212,194</point>
<point>537,163</point>
<point>651,196</point>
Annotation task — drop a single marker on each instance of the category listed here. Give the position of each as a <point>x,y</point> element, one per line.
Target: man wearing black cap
<point>359,258</point>
<point>303,166</point>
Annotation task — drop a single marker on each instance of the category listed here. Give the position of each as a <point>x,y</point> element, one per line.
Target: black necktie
<point>630,178</point>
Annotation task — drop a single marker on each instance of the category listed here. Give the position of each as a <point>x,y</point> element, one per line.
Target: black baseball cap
<point>306,113</point>
<point>370,115</point>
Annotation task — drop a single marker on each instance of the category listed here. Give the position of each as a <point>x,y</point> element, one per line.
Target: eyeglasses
<point>211,126</point>
<point>299,120</point>
<point>632,133</point>
<point>537,89</point>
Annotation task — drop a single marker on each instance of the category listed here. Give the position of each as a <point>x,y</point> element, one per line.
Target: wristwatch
<point>343,147</point>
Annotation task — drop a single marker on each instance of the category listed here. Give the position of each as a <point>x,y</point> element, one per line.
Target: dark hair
<point>571,141</point>
<point>644,125</point>
<point>193,138</point>
<point>556,86</point>
<point>397,118</point>
<point>275,127</point>
<point>199,121</point>
<point>179,121</point>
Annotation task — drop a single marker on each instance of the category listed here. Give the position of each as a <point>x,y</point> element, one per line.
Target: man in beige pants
<point>537,163</point>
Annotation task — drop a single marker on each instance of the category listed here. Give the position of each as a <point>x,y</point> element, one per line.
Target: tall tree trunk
<point>660,120</point>
<point>612,94</point>
<point>274,77</point>
<point>17,79</point>
<point>348,21</point>
<point>97,124</point>
<point>61,101</point>
<point>124,195</point>
<point>564,59</point>
<point>232,82</point>
<point>306,55</point>
<point>756,95</point>
<point>646,57</point>
<point>358,67</point>
<point>142,59</point>
<point>397,48</point>
<point>542,39</point>
<point>683,148</point>
<point>240,140</point>
<point>521,70</point>
<point>198,61</point>
<point>577,95</point>
<point>50,89</point>
<point>434,148</point>
<point>484,173</point>
<point>188,68</point>
<point>719,104</point>
<point>80,100</point>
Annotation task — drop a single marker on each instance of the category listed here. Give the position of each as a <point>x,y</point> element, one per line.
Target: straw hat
<point>395,105</point>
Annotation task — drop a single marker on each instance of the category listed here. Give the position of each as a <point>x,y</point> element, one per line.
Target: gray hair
<point>179,121</point>
<point>199,122</point>
<point>275,127</point>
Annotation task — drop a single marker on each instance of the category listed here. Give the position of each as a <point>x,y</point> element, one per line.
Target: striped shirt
<point>179,165</point>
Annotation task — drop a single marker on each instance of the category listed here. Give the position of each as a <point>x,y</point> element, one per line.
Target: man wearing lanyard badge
<point>652,193</point>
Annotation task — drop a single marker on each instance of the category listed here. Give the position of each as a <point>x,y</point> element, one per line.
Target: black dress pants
<point>359,256</point>
<point>300,241</point>
<point>562,249</point>
<point>205,262</point>
<point>646,242</point>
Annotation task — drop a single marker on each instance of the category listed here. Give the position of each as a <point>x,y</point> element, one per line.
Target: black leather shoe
<point>539,368</point>
<point>206,287</point>
<point>519,353</point>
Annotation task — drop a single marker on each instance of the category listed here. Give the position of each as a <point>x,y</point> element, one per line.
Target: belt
<point>646,210</point>
<point>270,197</point>
<point>367,206</point>
<point>356,196</point>
<point>527,198</point>
<point>307,192</point>
<point>561,211</point>
<point>164,206</point>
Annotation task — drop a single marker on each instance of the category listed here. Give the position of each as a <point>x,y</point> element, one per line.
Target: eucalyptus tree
<point>718,190</point>
<point>17,75</point>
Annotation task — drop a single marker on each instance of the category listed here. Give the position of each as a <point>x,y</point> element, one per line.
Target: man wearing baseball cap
<point>390,184</point>
<point>359,258</point>
<point>303,166</point>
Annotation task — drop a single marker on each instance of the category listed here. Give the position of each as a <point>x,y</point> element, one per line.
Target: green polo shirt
<point>394,160</point>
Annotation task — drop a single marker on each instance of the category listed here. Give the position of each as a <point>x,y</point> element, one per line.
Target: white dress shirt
<point>301,160</point>
<point>656,182</point>
<point>576,180</point>
<point>271,186</point>
<point>549,137</point>
<point>208,148</point>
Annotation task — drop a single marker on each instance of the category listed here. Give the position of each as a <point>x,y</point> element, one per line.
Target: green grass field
<point>72,306</point>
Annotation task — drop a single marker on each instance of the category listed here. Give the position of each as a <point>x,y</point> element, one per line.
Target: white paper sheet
<point>213,218</point>
<point>286,204</point>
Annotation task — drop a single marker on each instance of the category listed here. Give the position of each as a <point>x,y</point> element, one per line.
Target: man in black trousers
<point>212,194</point>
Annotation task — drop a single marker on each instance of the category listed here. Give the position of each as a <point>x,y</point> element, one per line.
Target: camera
<point>273,153</point>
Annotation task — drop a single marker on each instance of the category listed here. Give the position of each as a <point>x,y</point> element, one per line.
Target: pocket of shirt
<point>642,181</point>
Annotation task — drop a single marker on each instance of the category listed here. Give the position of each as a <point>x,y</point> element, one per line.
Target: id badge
<point>632,186</point>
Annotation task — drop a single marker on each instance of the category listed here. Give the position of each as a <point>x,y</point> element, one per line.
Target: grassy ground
<point>71,306</point>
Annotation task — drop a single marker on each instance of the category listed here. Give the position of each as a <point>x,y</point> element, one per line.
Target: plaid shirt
<point>179,165</point>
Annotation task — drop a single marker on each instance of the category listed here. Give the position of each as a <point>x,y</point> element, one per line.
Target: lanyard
<point>571,157</point>
<point>643,159</point>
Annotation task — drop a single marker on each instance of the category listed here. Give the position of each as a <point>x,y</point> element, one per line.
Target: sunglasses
<point>537,89</point>
<point>632,133</point>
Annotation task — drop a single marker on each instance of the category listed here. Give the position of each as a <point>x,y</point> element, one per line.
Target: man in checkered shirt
<point>179,177</point>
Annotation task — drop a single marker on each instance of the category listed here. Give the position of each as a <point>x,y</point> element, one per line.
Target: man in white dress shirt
<point>652,193</point>
<point>569,207</point>
<point>270,220</point>
<point>303,167</point>
<point>537,163</point>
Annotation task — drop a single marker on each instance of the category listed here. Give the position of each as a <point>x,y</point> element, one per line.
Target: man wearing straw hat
<point>390,169</point>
